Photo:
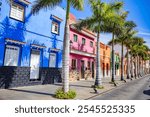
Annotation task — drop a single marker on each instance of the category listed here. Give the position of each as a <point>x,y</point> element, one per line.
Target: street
<point>136,90</point>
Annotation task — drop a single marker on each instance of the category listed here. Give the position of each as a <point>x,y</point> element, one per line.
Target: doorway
<point>82,69</point>
<point>34,64</point>
<point>103,69</point>
<point>107,69</point>
<point>93,70</point>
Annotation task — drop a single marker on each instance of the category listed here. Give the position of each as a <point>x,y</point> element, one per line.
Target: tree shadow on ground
<point>147,92</point>
<point>34,92</point>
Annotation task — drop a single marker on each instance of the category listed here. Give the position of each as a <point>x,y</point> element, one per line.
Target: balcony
<point>83,50</point>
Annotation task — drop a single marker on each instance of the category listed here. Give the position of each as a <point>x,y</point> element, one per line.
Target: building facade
<point>30,45</point>
<point>117,64</point>
<point>82,53</point>
<point>105,56</point>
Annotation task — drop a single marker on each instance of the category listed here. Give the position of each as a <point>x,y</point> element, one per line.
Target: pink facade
<point>82,54</point>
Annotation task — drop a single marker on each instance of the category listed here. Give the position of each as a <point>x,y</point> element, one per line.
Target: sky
<point>139,12</point>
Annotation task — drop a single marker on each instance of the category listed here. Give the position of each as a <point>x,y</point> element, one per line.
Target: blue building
<point>30,45</point>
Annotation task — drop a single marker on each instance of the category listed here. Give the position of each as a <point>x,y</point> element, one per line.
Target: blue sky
<point>139,13</point>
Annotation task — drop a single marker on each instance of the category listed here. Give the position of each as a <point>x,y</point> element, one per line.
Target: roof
<point>73,21</point>
<point>72,17</point>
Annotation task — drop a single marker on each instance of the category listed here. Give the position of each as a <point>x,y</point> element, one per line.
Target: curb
<point>115,88</point>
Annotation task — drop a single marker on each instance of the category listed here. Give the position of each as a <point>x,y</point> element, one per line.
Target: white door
<point>52,60</point>
<point>11,56</point>
<point>34,64</point>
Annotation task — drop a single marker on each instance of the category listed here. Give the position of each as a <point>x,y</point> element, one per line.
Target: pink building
<point>82,53</point>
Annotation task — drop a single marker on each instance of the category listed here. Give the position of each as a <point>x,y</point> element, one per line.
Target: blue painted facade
<point>33,30</point>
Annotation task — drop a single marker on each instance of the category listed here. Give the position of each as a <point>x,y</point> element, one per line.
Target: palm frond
<point>44,4</point>
<point>116,41</point>
<point>77,4</point>
<point>89,23</point>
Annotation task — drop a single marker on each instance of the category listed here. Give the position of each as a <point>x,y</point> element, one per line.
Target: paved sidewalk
<point>46,92</point>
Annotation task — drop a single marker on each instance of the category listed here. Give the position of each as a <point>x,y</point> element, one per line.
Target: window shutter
<point>17,12</point>
<point>11,56</point>
<point>52,62</point>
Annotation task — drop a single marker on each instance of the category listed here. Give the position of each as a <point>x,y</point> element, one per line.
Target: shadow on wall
<point>6,76</point>
<point>13,31</point>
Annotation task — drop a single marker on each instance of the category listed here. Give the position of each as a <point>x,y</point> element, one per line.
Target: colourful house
<point>82,53</point>
<point>117,64</point>
<point>105,56</point>
<point>30,46</point>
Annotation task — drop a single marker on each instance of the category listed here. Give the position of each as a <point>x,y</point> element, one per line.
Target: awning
<point>54,49</point>
<point>56,18</point>
<point>25,2</point>
<point>15,41</point>
<point>38,46</point>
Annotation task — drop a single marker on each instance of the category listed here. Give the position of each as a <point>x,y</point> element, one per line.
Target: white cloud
<point>144,33</point>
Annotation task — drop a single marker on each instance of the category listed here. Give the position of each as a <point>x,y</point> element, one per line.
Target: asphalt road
<point>136,90</point>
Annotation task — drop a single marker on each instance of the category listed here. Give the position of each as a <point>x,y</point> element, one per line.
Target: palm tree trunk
<point>113,61</point>
<point>149,67</point>
<point>139,66</point>
<point>136,68</point>
<point>122,65</point>
<point>98,80</point>
<point>128,62</point>
<point>142,68</point>
<point>66,51</point>
<point>132,71</point>
<point>134,63</point>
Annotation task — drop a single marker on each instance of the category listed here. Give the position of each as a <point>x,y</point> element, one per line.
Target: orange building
<point>105,56</point>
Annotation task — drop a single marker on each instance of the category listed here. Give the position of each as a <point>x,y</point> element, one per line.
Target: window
<point>91,43</point>
<point>55,27</point>
<point>17,12</point>
<point>52,60</point>
<point>11,55</point>
<point>89,65</point>
<point>75,38</point>
<point>73,66</point>
<point>83,41</point>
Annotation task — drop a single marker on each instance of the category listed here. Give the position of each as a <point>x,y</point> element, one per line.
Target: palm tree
<point>114,25</point>
<point>136,49</point>
<point>142,53</point>
<point>45,4</point>
<point>122,37</point>
<point>127,44</point>
<point>102,12</point>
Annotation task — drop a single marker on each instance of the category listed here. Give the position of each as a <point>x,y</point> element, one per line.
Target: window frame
<point>91,44</point>
<point>74,35</point>
<point>23,16</point>
<point>19,54</point>
<point>58,27</point>
<point>73,64</point>
<point>84,41</point>
<point>52,53</point>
